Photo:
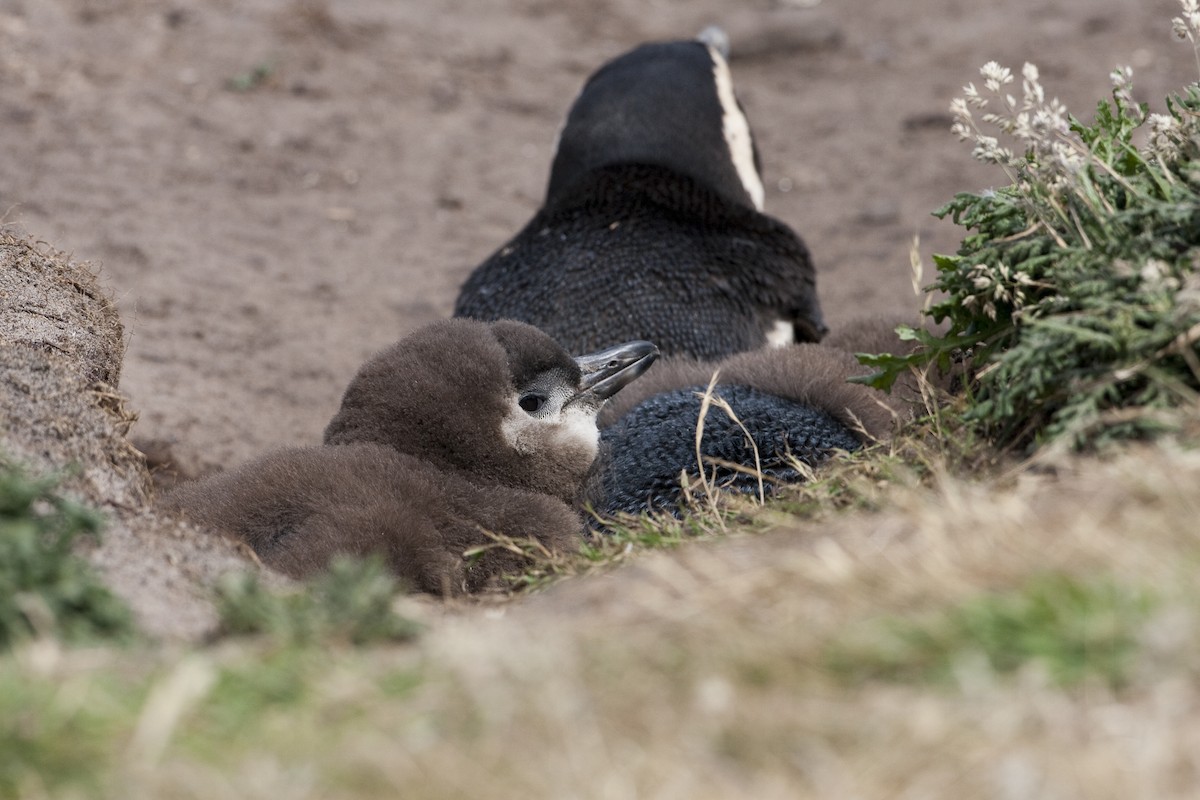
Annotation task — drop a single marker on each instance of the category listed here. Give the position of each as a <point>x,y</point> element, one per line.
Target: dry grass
<point>705,670</point>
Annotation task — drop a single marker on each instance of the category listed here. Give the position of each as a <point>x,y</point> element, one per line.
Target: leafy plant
<point>352,601</point>
<point>1075,296</point>
<point>45,588</point>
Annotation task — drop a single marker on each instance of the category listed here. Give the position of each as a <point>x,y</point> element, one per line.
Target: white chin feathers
<point>571,429</point>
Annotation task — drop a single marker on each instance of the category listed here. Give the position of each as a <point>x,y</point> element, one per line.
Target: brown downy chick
<point>459,430</point>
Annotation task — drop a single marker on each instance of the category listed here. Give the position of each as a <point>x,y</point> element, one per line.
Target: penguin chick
<point>655,189</point>
<point>298,508</point>
<point>459,430</point>
<point>499,402</point>
<point>792,402</point>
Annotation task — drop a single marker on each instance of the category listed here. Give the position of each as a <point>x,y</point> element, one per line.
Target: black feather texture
<point>639,252</point>
<point>644,452</point>
<point>651,227</point>
<point>659,105</point>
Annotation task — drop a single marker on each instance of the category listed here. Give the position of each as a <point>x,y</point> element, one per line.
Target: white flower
<point>1122,82</point>
<point>988,150</point>
<point>1162,124</point>
<point>958,107</point>
<point>995,76</point>
<point>1068,158</point>
<point>1154,270</point>
<point>999,120</point>
<point>1023,130</point>
<point>1051,120</point>
<point>1187,26</point>
<point>1058,117</point>
<point>1034,94</point>
<point>1166,136</point>
<point>973,98</point>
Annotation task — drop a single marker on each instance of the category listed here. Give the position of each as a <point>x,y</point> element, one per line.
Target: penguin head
<point>666,104</point>
<point>500,402</point>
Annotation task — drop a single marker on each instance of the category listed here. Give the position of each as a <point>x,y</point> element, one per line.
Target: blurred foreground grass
<point>914,633</point>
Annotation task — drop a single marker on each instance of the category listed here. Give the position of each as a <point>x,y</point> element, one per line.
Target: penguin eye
<point>532,403</point>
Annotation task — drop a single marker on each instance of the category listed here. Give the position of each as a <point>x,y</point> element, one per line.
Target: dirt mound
<point>62,415</point>
<point>53,305</point>
<point>61,363</point>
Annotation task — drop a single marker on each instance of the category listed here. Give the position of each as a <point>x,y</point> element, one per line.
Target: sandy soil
<point>275,189</point>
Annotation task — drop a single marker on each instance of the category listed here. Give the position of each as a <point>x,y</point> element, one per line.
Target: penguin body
<point>666,104</point>
<point>792,402</point>
<point>460,430</point>
<point>298,508</point>
<point>652,444</point>
<point>814,375</point>
<point>654,191</point>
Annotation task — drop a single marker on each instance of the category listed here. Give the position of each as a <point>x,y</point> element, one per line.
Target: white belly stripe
<point>737,130</point>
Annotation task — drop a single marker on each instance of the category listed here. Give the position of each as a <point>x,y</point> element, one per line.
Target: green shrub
<point>1075,295</point>
<point>45,588</point>
<point>351,602</point>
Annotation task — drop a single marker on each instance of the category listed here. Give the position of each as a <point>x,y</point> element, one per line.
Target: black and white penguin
<point>793,402</point>
<point>460,429</point>
<point>655,189</point>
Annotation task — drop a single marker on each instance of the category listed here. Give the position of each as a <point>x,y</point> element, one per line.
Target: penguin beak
<point>605,373</point>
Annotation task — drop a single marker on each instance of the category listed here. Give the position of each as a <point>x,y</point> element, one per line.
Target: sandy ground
<point>275,189</point>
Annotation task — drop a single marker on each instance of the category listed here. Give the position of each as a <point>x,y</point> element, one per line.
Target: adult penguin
<point>655,189</point>
<point>461,430</point>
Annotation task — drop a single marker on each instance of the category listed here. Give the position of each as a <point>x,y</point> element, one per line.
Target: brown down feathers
<point>415,470</point>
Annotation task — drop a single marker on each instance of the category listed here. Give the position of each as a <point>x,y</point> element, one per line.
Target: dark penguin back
<point>659,105</point>
<point>644,451</point>
<point>640,252</point>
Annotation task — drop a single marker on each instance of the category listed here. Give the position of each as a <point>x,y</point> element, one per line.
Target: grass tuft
<point>352,602</point>
<point>46,590</point>
<point>56,731</point>
<point>253,78</point>
<point>1072,629</point>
